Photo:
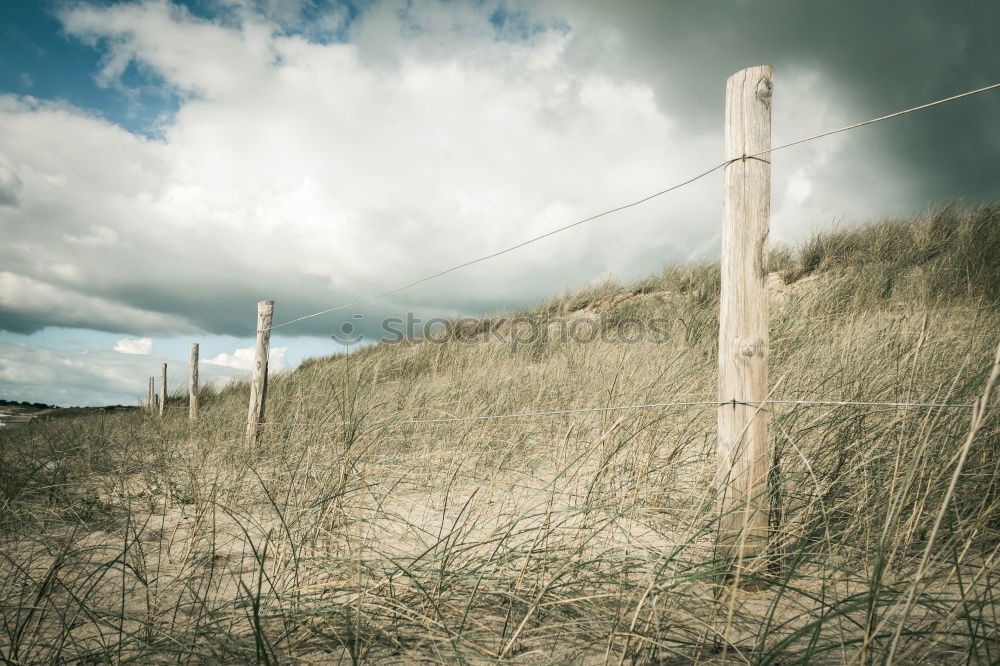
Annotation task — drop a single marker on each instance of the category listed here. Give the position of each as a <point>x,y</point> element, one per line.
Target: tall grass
<point>346,536</point>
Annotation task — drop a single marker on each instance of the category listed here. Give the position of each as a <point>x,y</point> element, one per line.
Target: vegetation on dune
<point>351,534</point>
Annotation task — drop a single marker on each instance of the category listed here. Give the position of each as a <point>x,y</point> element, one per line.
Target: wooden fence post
<point>163,389</point>
<point>743,337</point>
<point>193,384</point>
<point>258,383</point>
<point>151,395</point>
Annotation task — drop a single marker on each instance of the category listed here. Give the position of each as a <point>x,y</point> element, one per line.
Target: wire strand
<point>615,408</point>
<point>855,403</point>
<point>632,204</point>
<point>690,403</point>
<point>875,120</point>
<point>556,412</point>
<point>508,249</point>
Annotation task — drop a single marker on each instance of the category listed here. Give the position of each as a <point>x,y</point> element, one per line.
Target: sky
<point>165,165</point>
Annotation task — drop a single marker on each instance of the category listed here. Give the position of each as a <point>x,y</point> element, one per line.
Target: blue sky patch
<point>39,59</point>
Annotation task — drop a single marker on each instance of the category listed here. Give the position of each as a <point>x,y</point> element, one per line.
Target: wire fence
<point>238,422</point>
<point>651,405</point>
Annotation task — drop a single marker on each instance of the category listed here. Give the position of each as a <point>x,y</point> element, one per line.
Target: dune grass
<point>348,535</point>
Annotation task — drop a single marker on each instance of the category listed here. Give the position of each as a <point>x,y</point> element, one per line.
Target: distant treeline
<point>24,403</point>
<point>42,405</point>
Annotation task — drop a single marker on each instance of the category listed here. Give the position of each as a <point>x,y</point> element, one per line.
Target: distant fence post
<point>151,395</point>
<point>163,389</point>
<point>193,384</point>
<point>258,382</point>
<point>743,336</point>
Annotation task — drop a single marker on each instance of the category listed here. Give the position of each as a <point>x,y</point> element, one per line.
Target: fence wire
<point>637,202</point>
<point>651,405</point>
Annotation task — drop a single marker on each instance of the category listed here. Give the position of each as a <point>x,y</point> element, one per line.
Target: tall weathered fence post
<point>151,395</point>
<point>193,384</point>
<point>743,338</point>
<point>258,382</point>
<point>163,389</point>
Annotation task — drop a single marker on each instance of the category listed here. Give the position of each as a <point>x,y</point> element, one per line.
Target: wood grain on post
<point>151,395</point>
<point>193,384</point>
<point>743,336</point>
<point>163,389</point>
<point>258,382</point>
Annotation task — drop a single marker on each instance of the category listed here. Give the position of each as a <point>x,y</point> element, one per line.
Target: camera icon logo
<point>346,335</point>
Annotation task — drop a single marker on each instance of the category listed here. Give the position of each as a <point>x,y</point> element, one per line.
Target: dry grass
<point>346,537</point>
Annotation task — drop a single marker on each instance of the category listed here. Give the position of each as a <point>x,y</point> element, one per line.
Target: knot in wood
<point>763,92</point>
<point>751,348</point>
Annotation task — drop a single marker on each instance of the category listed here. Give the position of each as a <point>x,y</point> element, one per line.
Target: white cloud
<point>341,165</point>
<point>137,346</point>
<point>348,167</point>
<point>43,374</point>
<point>167,38</point>
<point>100,236</point>
<point>243,359</point>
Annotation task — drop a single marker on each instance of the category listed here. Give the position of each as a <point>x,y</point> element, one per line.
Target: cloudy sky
<point>164,165</point>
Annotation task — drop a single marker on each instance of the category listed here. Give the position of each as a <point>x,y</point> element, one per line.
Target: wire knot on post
<point>744,158</point>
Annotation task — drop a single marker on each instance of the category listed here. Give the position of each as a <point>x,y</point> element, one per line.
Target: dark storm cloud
<point>877,56</point>
<point>10,185</point>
